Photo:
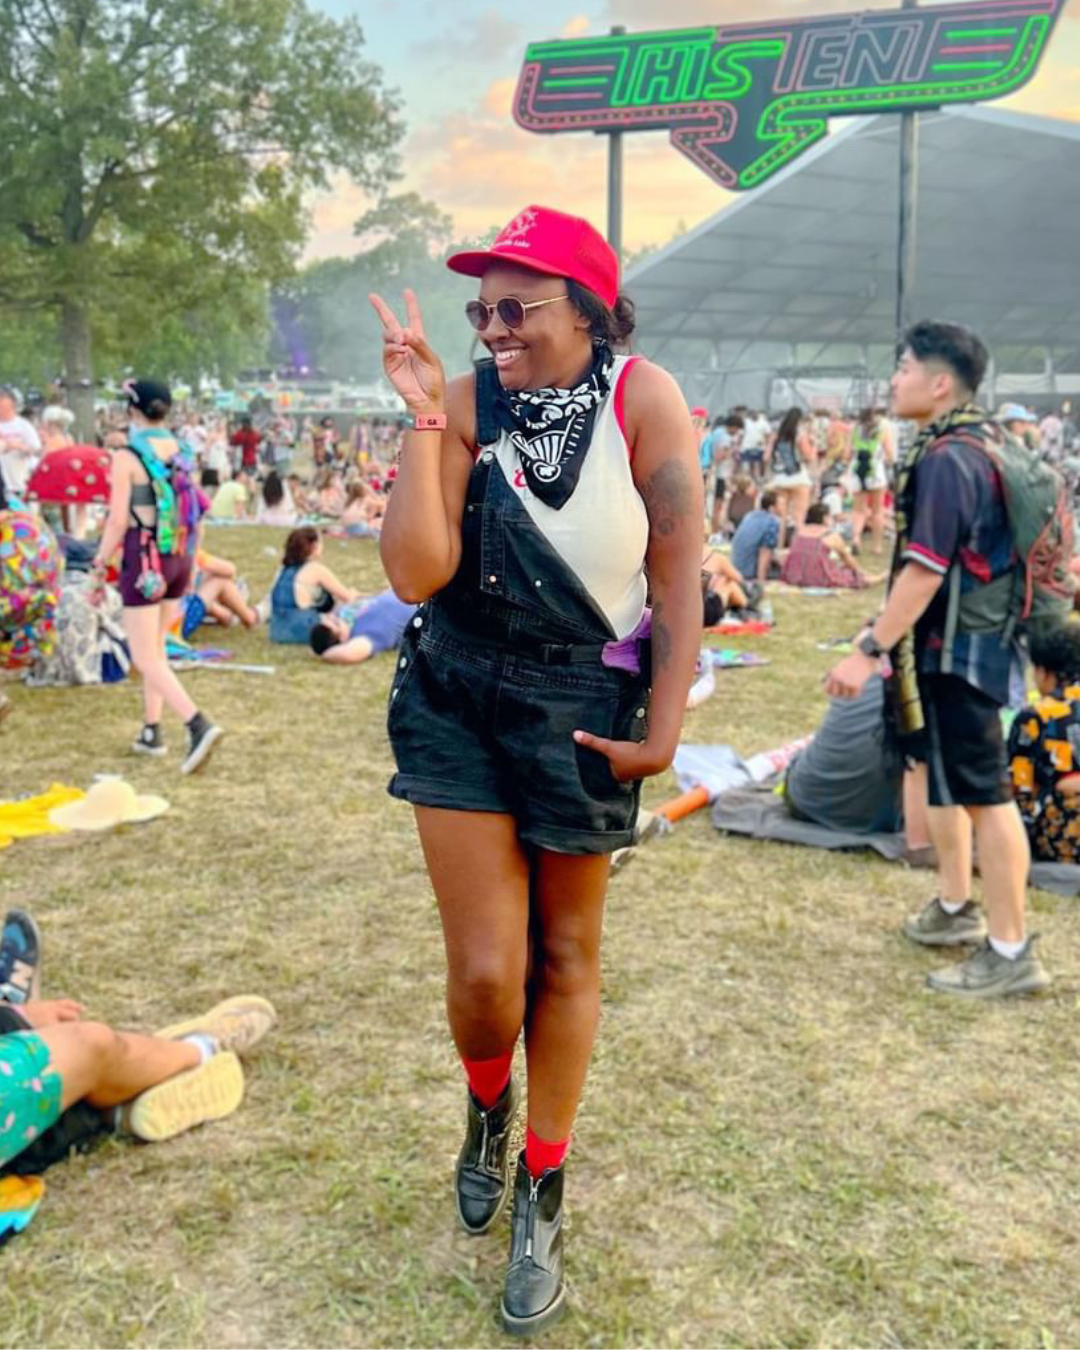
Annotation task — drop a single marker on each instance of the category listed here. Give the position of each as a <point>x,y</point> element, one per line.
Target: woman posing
<point>533,496</point>
<point>147,516</point>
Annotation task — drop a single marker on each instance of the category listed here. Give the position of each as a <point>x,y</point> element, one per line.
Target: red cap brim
<point>476,264</point>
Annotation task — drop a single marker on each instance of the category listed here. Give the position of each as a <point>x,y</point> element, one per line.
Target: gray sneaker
<point>986,974</point>
<point>936,927</point>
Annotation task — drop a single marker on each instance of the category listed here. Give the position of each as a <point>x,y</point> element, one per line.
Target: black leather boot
<point>534,1294</point>
<point>482,1174</point>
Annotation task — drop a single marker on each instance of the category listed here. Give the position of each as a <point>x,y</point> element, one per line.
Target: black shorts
<point>483,728</point>
<point>965,747</point>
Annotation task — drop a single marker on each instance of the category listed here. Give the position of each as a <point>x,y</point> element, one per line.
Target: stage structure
<point>742,101</point>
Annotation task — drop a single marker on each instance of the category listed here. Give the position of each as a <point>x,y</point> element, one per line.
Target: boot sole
<point>210,1091</point>
<point>529,1326</point>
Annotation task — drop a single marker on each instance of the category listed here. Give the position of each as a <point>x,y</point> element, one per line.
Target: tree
<point>154,153</point>
<point>323,316</point>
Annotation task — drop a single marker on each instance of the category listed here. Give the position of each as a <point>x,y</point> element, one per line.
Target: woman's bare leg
<point>564,991</point>
<point>858,516</point>
<point>146,627</point>
<point>877,519</point>
<point>480,874</point>
<point>222,598</point>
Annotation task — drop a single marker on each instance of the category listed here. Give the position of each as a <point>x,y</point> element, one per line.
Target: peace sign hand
<point>410,365</point>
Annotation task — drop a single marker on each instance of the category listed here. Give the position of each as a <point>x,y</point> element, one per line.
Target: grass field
<point>785,1139</point>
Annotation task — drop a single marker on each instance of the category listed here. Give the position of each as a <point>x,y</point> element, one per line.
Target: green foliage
<point>325,320</point>
<point>154,154</point>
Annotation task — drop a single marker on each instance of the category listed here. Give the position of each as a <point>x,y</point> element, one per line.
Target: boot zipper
<point>530,1218</point>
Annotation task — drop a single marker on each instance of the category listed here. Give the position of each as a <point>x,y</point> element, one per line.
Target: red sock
<point>540,1154</point>
<point>488,1077</point>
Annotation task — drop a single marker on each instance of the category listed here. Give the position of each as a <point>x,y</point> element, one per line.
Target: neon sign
<point>742,101</point>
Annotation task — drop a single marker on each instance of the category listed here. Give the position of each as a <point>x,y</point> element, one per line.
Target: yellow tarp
<point>24,819</point>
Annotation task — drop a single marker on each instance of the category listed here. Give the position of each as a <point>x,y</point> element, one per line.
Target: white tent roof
<point>810,257</point>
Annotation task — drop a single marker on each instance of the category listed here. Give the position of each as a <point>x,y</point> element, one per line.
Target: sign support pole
<point>615,181</point>
<point>907,242</point>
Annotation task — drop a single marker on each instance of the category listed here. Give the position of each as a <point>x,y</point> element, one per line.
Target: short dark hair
<point>735,422</point>
<point>768,501</point>
<point>613,324</point>
<point>958,348</point>
<point>322,638</point>
<point>1057,650</point>
<point>817,513</point>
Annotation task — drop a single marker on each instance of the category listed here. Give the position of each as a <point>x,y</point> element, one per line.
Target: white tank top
<point>602,532</point>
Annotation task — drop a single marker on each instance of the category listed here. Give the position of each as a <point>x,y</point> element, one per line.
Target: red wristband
<point>429,422</point>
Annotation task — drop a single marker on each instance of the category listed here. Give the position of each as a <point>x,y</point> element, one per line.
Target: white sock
<point>1009,950</point>
<point>952,906</point>
<point>206,1045</point>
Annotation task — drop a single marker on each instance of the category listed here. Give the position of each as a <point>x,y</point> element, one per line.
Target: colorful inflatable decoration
<point>30,567</point>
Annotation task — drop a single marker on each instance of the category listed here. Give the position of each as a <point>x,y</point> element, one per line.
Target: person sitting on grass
<point>216,586</point>
<point>304,589</point>
<point>277,507</point>
<point>723,579</point>
<point>376,625</point>
<point>741,501</point>
<point>152,1087</point>
<point>231,497</point>
<point>819,557</point>
<point>362,516</point>
<point>1044,748</point>
<point>757,539</point>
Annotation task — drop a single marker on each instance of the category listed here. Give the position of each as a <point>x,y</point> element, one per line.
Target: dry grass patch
<point>786,1140</point>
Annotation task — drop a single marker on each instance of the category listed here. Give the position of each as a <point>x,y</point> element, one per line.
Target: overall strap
<point>488,430</point>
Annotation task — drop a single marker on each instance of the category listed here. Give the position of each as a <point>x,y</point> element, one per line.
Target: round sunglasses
<point>510,310</point>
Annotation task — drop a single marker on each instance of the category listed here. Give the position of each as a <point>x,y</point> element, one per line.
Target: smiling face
<point>552,346</point>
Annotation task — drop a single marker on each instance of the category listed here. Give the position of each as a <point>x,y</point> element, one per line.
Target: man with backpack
<point>983,541</point>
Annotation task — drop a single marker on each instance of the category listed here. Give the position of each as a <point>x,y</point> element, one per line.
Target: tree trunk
<point>78,367</point>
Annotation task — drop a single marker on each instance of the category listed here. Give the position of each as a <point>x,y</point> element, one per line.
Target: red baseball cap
<point>550,241</point>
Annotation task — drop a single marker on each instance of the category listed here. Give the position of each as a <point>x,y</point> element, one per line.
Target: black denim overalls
<point>498,670</point>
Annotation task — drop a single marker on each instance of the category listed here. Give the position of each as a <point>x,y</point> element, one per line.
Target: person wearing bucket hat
<point>153,515</point>
<point>533,496</point>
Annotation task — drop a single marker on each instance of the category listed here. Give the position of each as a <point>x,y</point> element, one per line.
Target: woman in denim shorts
<point>532,498</point>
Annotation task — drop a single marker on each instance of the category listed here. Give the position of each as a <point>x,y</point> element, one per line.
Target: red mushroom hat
<point>75,473</point>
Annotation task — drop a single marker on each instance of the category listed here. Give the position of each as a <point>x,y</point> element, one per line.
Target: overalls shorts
<point>497,671</point>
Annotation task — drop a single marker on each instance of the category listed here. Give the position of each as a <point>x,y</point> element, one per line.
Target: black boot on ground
<point>482,1174</point>
<point>534,1294</point>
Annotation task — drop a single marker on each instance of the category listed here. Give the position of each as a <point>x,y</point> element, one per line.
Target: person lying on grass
<point>361,631</point>
<point>152,1087</point>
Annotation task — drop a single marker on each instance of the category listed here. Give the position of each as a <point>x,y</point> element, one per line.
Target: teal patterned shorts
<point>29,1092</point>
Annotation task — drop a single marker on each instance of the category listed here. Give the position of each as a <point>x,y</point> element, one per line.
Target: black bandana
<point>551,428</point>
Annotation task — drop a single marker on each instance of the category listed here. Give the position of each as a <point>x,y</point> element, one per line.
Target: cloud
<point>500,97</point>
<point>484,39</point>
<point>578,26</point>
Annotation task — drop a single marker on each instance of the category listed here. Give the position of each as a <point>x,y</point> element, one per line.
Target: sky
<point>455,63</point>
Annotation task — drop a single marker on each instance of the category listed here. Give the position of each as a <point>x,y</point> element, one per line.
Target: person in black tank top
<point>520,727</point>
<point>152,579</point>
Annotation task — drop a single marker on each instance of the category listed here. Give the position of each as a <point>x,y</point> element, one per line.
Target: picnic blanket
<point>758,812</point>
<point>19,1201</point>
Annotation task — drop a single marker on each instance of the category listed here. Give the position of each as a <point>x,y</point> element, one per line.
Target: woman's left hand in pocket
<point>629,760</point>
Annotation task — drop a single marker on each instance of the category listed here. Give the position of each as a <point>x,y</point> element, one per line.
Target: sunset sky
<point>455,63</point>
